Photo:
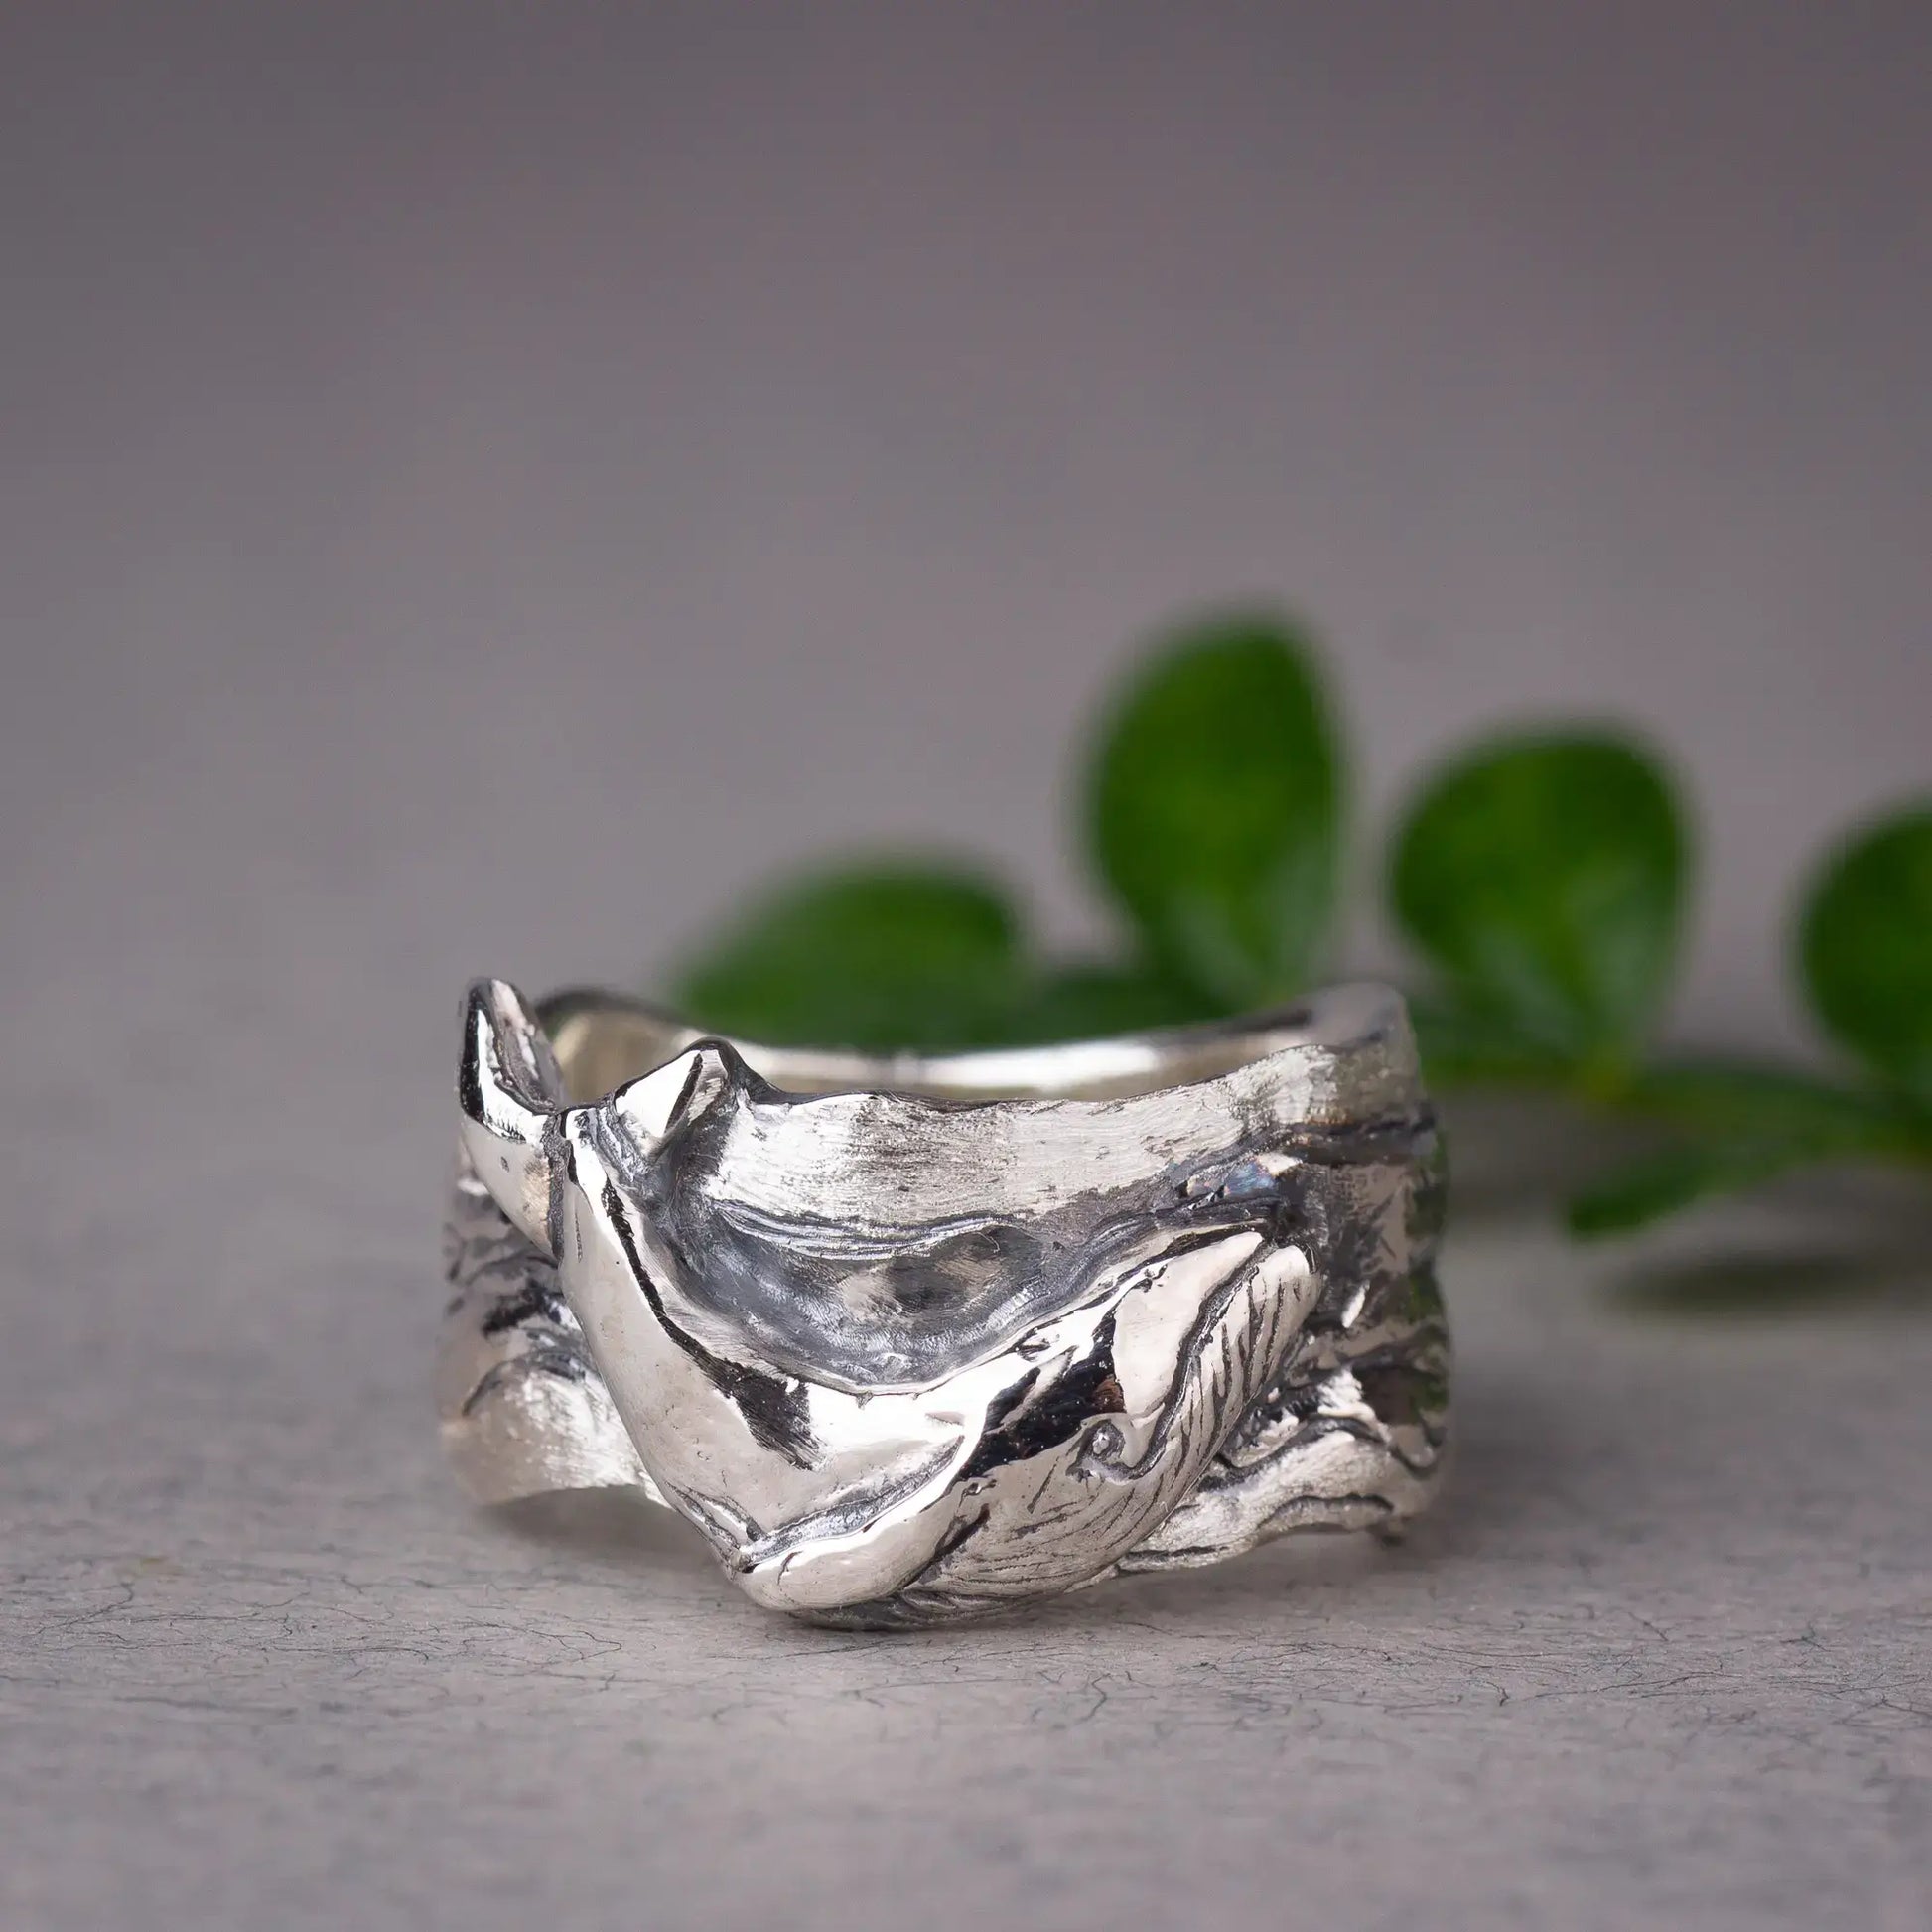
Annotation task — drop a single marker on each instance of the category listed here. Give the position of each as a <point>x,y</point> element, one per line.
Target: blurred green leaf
<point>1092,1001</point>
<point>1762,1122</point>
<point>1543,877</point>
<point>1865,948</point>
<point>1662,1185</point>
<point>1463,1048</point>
<point>1747,1099</point>
<point>882,957</point>
<point>1214,807</point>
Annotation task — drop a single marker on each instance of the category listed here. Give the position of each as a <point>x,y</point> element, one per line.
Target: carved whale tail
<point>509,1093</point>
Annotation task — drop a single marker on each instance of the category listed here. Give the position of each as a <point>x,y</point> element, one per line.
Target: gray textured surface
<point>1663,1657</point>
<point>385,388</point>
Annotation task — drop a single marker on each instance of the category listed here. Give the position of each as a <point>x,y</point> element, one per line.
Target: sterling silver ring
<point>914,1339</point>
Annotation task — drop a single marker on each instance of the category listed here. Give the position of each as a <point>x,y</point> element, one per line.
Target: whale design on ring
<point>910,1340</point>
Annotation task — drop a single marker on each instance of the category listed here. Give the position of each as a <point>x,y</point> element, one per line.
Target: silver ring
<point>914,1340</point>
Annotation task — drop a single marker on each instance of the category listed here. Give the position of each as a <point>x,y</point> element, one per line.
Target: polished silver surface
<point>915,1339</point>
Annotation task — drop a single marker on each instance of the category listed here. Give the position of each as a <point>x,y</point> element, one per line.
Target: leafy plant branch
<point>1541,878</point>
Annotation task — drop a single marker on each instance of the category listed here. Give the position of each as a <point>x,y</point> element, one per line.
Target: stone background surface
<point>1663,1658</point>
<point>474,490</point>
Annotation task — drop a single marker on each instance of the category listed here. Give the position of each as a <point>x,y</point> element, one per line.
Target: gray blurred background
<point>483,484</point>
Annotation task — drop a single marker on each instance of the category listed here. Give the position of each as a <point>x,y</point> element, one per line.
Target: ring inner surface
<point>605,1039</point>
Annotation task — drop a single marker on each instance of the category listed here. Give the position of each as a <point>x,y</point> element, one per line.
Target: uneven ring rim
<point>603,1038</point>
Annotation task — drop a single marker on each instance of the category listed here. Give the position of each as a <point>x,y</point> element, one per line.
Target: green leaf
<point>1665,1183</point>
<point>882,957</point>
<point>1747,1099</point>
<point>1215,810</point>
<point>1542,876</point>
<point>1866,948</point>
<point>1754,1123</point>
<point>1092,1002</point>
<point>1761,1121</point>
<point>1462,1049</point>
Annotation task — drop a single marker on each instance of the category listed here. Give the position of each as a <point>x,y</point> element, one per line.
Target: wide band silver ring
<point>914,1340</point>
